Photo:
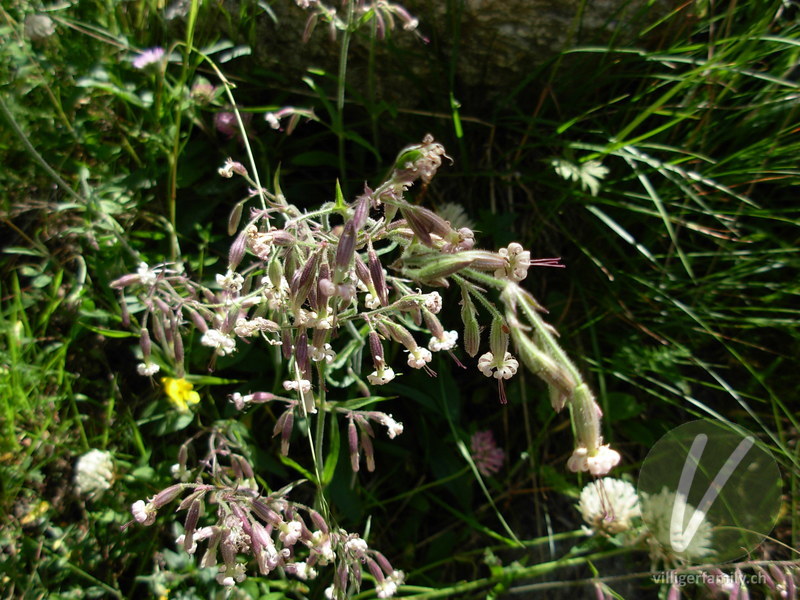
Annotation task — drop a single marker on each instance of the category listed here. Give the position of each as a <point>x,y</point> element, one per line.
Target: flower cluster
<point>272,530</point>
<point>609,506</point>
<point>94,473</point>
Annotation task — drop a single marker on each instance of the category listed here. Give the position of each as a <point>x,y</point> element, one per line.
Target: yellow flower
<point>180,392</point>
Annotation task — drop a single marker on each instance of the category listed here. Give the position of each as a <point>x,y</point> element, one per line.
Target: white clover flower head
<point>657,511</point>
<point>419,357</point>
<point>147,369</point>
<point>598,464</point>
<point>433,302</point>
<point>230,282</point>
<point>325,353</point>
<point>222,343</point>
<point>519,260</point>
<point>94,473</point>
<point>148,57</point>
<point>609,505</point>
<point>381,376</point>
<point>446,342</point>
<point>147,276</point>
<point>303,385</point>
<point>499,369</point>
<point>388,587</point>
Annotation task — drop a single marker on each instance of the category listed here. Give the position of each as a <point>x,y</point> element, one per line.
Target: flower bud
<point>472,332</point>
<point>433,323</point>
<point>144,343</point>
<point>361,210</point>
<point>167,495</point>
<point>238,248</point>
<point>301,352</point>
<point>378,279</point>
<point>345,250</point>
<point>190,525</point>
<point>376,349</point>
<point>234,219</point>
<point>275,273</point>
<point>352,438</point>
<point>303,279</point>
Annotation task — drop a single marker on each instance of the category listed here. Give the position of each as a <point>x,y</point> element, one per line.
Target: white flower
<point>272,120</point>
<point>433,302</point>
<point>94,473</point>
<point>230,282</point>
<point>303,571</point>
<point>321,544</point>
<point>356,546</point>
<point>147,369</point>
<point>325,353</point>
<point>388,587</point>
<point>222,343</point>
<point>519,261</point>
<point>240,401</point>
<point>303,385</point>
<point>251,327</point>
<point>446,342</point>
<point>143,513</point>
<point>371,301</point>
<point>418,357</point>
<point>499,369</point>
<point>381,376</point>
<point>229,576</point>
<point>657,512</point>
<point>601,463</point>
<point>608,505</point>
<point>290,533</point>
<point>39,27</point>
<point>394,428</point>
<point>147,276</point>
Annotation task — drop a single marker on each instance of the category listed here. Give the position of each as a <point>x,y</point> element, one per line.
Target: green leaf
<point>298,467</point>
<point>109,333</point>
<point>333,454</point>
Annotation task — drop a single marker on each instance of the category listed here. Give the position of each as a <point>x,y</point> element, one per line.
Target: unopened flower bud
<point>472,332</point>
<point>344,252</point>
<point>190,525</point>
<point>376,349</point>
<point>352,438</point>
<point>238,248</point>
<point>377,276</point>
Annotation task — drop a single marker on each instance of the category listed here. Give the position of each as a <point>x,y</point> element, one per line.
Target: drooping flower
<point>446,342</point>
<point>148,57</point>
<point>499,369</point>
<point>147,369</point>
<point>94,473</point>
<point>181,393</point>
<point>222,343</point>
<point>599,464</point>
<point>609,505</point>
<point>381,376</point>
<point>487,455</point>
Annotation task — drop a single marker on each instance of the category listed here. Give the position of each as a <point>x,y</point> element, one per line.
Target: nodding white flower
<point>381,376</point>
<point>147,276</point>
<point>321,545</point>
<point>144,513</point>
<point>609,505</point>
<point>301,570</point>
<point>446,342</point>
<point>433,302</point>
<point>388,587</point>
<point>499,369</point>
<point>240,401</point>
<point>199,535</point>
<point>290,533</point>
<point>325,353</point>
<point>273,121</point>
<point>250,327</point>
<point>222,343</point>
<point>230,168</point>
<point>303,385</point>
<point>657,512</point>
<point>599,464</point>
<point>147,369</point>
<point>394,428</point>
<point>94,473</point>
<point>356,546</point>
<point>372,302</point>
<point>519,261</point>
<point>230,575</point>
<point>230,282</point>
<point>419,357</point>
